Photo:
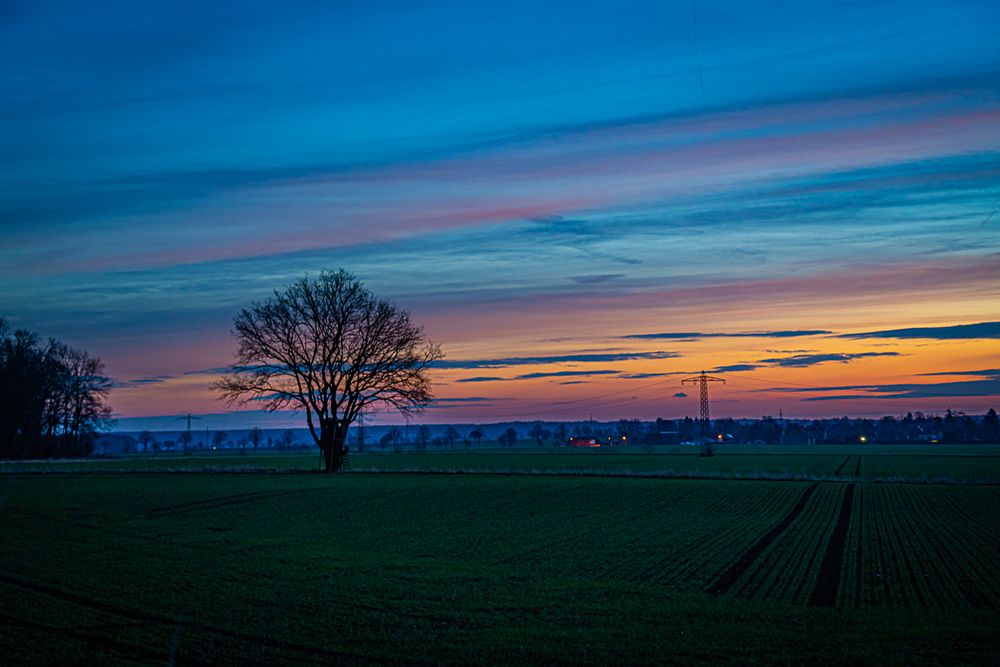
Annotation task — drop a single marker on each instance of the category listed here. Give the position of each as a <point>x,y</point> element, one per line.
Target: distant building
<point>583,441</point>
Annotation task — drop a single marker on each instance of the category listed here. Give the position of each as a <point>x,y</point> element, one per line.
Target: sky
<point>582,202</point>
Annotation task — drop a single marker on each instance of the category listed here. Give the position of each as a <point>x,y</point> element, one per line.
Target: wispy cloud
<point>734,368</point>
<point>218,370</point>
<point>555,359</point>
<point>600,278</point>
<point>987,372</point>
<point>799,361</point>
<point>482,378</point>
<point>139,382</point>
<point>968,388</point>
<point>802,360</point>
<point>953,332</point>
<point>553,374</point>
<point>683,335</point>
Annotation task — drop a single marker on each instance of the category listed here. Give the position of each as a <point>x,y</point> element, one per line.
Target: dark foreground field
<point>433,568</point>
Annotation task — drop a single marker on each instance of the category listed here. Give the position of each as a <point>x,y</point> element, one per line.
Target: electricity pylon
<point>702,381</point>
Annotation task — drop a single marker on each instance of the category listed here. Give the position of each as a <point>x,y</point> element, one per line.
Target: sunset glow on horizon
<point>582,205</point>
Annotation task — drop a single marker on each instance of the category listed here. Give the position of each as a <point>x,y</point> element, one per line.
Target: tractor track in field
<point>740,566</point>
<point>841,467</point>
<point>214,503</point>
<point>133,651</point>
<point>34,586</point>
<point>828,580</point>
<point>131,535</point>
<point>857,469</point>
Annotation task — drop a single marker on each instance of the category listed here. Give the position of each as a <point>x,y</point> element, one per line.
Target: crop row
<point>787,569</point>
<point>698,544</point>
<point>918,546</point>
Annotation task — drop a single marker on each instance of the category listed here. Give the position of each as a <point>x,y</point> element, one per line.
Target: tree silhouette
<point>146,437</point>
<point>423,435</point>
<point>991,426</point>
<point>508,438</point>
<point>451,436</point>
<point>255,437</point>
<point>219,439</point>
<point>329,347</point>
<point>51,397</point>
<point>538,433</point>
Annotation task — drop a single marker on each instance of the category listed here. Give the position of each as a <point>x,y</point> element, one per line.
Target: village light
<point>863,439</point>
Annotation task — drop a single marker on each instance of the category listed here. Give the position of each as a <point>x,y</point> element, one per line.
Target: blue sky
<point>506,171</point>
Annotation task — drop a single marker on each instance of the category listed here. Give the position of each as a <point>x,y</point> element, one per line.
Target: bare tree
<point>330,348</point>
<point>508,438</point>
<point>52,397</point>
<point>423,435</point>
<point>146,437</point>
<point>539,433</point>
<point>395,436</point>
<point>76,408</point>
<point>219,439</point>
<point>255,437</point>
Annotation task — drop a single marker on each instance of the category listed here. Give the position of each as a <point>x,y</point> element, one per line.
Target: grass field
<point>190,568</point>
<point>910,463</point>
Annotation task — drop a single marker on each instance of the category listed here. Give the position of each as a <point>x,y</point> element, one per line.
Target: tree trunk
<point>332,438</point>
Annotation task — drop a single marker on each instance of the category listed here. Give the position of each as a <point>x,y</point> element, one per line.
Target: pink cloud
<point>572,173</point>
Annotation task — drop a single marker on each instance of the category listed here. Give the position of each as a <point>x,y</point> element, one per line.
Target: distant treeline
<point>51,397</point>
<point>952,427</point>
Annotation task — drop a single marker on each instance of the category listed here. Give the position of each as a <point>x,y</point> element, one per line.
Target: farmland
<point>505,568</point>
<point>947,464</point>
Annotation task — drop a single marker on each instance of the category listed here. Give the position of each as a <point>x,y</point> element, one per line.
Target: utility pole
<point>702,381</point>
<point>188,439</point>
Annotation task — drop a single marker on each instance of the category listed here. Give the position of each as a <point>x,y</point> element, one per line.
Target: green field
<point>975,464</point>
<point>189,568</point>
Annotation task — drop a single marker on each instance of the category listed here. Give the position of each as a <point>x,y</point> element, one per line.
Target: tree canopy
<point>51,397</point>
<point>331,348</point>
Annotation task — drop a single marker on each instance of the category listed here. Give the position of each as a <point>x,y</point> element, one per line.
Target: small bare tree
<point>145,438</point>
<point>255,437</point>
<point>451,435</point>
<point>331,348</point>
